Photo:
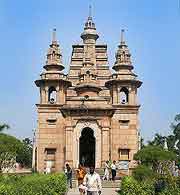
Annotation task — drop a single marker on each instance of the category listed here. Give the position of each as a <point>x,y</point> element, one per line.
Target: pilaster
<point>105,143</point>
<point>69,144</point>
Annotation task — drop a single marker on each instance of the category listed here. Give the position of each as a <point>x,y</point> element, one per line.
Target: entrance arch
<point>80,125</point>
<point>87,147</point>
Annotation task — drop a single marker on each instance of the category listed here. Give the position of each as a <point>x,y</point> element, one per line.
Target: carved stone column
<point>105,144</point>
<point>46,94</point>
<point>62,95</point>
<point>132,96</point>
<point>42,95</point>
<point>69,144</point>
<point>57,95</point>
<point>114,94</point>
<point>118,95</point>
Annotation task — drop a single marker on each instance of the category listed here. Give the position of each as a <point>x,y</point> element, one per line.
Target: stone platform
<point>105,191</point>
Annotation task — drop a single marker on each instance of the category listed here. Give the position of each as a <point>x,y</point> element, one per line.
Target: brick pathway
<point>105,191</point>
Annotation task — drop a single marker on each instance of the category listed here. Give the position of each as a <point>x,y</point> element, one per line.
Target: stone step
<point>105,191</point>
<point>105,184</point>
<point>111,184</point>
<point>100,171</point>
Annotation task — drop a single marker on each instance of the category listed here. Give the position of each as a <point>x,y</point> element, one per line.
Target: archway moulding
<point>80,125</point>
<point>87,122</point>
<point>102,123</point>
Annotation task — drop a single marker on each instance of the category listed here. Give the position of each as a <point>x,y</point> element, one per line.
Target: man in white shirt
<point>93,182</point>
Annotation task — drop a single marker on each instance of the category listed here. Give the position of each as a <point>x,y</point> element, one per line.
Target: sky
<point>152,33</point>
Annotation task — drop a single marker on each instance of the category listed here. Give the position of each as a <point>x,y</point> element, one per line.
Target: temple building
<point>89,115</point>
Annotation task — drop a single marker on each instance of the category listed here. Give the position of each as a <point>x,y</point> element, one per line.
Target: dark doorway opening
<point>87,145</point>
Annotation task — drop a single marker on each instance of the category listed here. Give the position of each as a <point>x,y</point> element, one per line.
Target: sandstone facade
<point>90,115</point>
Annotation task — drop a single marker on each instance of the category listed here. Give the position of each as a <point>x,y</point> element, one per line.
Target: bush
<point>164,185</point>
<point>130,186</point>
<point>172,186</point>
<point>142,172</point>
<point>170,191</point>
<point>36,184</point>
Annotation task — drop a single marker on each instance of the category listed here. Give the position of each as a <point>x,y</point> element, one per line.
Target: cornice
<point>123,81</point>
<point>39,82</point>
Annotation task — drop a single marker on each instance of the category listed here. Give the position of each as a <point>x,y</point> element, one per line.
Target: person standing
<point>68,173</point>
<point>83,160</point>
<point>48,170</point>
<point>106,171</point>
<point>113,170</point>
<point>80,176</point>
<point>93,182</point>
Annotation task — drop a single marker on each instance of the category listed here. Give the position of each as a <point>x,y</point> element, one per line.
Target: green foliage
<point>170,191</point>
<point>4,126</point>
<point>153,156</point>
<point>8,150</point>
<point>176,131</point>
<point>130,186</point>
<point>154,176</point>
<point>173,142</point>
<point>172,186</point>
<point>143,172</point>
<point>14,149</point>
<point>36,184</point>
<point>142,143</point>
<point>158,140</point>
<point>25,154</point>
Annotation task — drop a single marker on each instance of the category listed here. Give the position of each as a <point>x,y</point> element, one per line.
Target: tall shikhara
<point>90,115</point>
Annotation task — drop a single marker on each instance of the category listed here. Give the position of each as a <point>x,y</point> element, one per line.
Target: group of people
<point>110,169</point>
<point>90,181</point>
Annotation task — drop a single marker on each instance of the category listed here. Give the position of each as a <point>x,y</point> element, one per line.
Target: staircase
<point>105,183</point>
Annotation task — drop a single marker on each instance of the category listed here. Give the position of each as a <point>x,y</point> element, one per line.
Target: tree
<point>155,157</point>
<point>158,140</point>
<point>171,141</point>
<point>4,126</point>
<point>14,150</point>
<point>142,143</point>
<point>27,141</point>
<point>10,146</point>
<point>25,154</point>
<point>175,126</point>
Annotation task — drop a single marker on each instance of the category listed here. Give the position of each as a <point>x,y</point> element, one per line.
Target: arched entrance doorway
<point>87,145</point>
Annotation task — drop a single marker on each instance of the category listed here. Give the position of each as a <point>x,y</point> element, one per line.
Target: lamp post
<point>34,151</point>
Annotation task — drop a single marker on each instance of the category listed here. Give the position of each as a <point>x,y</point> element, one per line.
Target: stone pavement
<point>105,191</point>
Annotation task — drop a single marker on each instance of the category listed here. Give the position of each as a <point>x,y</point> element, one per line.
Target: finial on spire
<point>54,35</point>
<point>89,28</point>
<point>90,11</point>
<point>122,36</point>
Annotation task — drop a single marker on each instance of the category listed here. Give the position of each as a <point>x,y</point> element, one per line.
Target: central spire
<point>89,35</point>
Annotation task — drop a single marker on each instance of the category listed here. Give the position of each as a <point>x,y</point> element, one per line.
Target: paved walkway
<point>105,191</point>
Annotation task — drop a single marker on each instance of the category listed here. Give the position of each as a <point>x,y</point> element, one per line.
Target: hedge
<point>154,186</point>
<point>36,184</point>
<point>130,186</point>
